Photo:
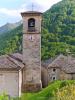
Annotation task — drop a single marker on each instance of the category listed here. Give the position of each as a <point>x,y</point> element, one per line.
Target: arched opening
<point>31,24</point>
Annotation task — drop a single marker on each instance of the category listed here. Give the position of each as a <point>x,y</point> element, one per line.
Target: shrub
<point>64,83</point>
<point>66,93</point>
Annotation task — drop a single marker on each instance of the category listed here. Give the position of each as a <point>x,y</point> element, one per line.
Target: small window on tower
<point>31,38</point>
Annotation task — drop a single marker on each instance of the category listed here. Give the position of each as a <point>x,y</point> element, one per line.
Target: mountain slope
<point>11,41</point>
<point>58,35</point>
<point>9,26</point>
<point>61,18</point>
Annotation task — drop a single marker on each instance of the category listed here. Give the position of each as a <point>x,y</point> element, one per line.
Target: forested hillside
<point>11,41</point>
<point>58,35</point>
<point>9,26</point>
<point>58,32</point>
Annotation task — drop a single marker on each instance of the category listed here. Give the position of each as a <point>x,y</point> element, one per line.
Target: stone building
<point>61,68</point>
<point>32,51</point>
<point>11,67</point>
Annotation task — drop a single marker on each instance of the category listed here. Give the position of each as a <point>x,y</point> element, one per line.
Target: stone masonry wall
<point>32,59</point>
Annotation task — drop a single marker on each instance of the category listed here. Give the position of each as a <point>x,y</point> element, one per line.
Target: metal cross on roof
<point>32,6</point>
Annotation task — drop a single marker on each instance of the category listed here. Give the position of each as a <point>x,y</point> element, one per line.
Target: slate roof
<point>27,13</point>
<point>66,63</point>
<point>46,63</point>
<point>17,56</point>
<point>11,62</point>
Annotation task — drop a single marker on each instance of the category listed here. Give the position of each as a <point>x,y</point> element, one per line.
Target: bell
<point>31,24</point>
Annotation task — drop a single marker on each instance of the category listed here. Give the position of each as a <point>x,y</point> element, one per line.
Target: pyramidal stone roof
<point>11,62</point>
<point>28,13</point>
<point>65,63</point>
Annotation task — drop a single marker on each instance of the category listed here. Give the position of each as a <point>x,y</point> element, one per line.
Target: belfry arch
<point>31,24</point>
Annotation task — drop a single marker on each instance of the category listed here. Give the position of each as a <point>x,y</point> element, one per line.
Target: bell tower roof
<point>28,13</point>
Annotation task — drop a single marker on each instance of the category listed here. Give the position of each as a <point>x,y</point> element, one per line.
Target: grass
<point>66,93</point>
<point>49,92</point>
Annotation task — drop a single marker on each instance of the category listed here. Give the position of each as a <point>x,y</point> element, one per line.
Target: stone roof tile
<point>66,63</point>
<point>11,62</point>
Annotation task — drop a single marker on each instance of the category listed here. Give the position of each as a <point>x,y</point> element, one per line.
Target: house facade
<point>61,68</point>
<point>11,75</point>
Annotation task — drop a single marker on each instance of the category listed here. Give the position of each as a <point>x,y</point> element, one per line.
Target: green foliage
<point>58,33</point>
<point>10,42</point>
<point>64,83</point>
<point>61,18</point>
<point>47,93</point>
<point>55,44</point>
<point>4,97</point>
<point>66,93</point>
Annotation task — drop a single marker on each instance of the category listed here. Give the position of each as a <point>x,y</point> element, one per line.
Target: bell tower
<point>32,51</point>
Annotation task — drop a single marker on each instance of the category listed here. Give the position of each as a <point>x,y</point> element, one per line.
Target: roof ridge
<point>12,56</point>
<point>8,57</point>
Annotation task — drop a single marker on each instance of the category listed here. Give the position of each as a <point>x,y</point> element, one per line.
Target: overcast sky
<point>10,9</point>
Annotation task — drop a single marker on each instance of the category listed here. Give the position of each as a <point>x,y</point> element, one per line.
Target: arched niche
<point>31,24</point>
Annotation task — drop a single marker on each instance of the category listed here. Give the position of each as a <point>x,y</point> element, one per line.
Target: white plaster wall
<point>9,83</point>
<point>20,82</point>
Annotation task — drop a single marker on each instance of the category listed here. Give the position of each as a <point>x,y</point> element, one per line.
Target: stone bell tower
<point>32,51</point>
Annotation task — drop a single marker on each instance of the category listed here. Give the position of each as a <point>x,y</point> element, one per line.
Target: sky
<point>10,9</point>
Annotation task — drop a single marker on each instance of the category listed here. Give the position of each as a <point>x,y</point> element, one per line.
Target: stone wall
<point>52,74</point>
<point>37,23</point>
<point>59,74</point>
<point>44,77</point>
<point>32,59</point>
<point>31,87</point>
<point>32,53</point>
